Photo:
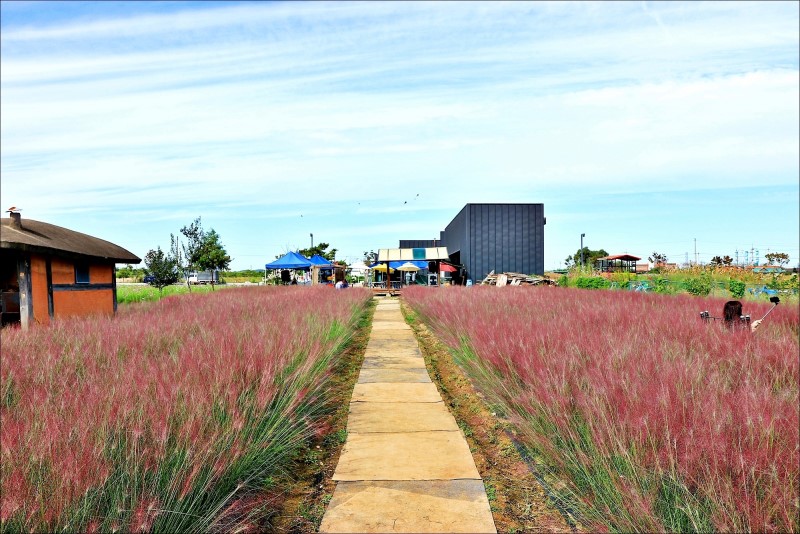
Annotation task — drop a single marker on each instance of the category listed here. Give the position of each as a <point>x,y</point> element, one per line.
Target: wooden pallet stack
<point>515,279</point>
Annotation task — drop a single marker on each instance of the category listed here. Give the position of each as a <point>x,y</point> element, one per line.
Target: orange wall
<point>63,271</point>
<point>101,274</point>
<point>41,313</point>
<point>68,303</point>
<point>84,302</point>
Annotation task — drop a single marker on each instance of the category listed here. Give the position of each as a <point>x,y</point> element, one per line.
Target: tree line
<point>658,259</point>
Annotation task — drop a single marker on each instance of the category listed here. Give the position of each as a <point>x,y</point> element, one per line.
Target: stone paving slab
<point>409,506</point>
<point>393,362</point>
<point>400,417</point>
<point>406,456</point>
<point>396,392</point>
<point>388,314</point>
<point>393,375</point>
<point>398,353</point>
<point>395,336</point>
<point>390,325</point>
<point>391,343</point>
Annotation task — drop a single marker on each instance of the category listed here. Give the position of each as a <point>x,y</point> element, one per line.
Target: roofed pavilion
<point>617,263</point>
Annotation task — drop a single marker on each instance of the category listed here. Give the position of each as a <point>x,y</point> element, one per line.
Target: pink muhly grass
<point>660,394</point>
<point>86,398</point>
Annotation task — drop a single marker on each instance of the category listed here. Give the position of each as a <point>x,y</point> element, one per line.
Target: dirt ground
<point>517,500</point>
<point>309,487</point>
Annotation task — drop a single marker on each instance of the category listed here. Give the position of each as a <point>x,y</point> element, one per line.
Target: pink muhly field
<point>654,419</point>
<point>172,416</point>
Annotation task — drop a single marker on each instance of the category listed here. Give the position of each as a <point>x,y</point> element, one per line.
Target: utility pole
<point>312,240</point>
<point>695,251</point>
<point>583,263</point>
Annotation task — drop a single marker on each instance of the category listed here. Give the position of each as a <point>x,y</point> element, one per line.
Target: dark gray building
<point>498,237</point>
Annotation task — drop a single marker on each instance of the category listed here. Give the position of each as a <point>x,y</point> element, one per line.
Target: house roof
<point>410,254</point>
<point>624,257</point>
<point>45,238</point>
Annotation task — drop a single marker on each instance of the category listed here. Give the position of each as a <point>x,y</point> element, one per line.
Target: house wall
<point>70,299</point>
<point>456,237</point>
<point>63,271</point>
<point>39,291</point>
<point>418,243</point>
<point>60,296</point>
<point>499,237</point>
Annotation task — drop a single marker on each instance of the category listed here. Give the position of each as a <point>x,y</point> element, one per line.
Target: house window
<point>81,273</point>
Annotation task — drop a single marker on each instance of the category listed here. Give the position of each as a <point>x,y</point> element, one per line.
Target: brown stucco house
<point>47,271</point>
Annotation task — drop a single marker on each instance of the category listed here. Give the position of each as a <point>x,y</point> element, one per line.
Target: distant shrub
<point>782,282</point>
<point>736,287</point>
<point>622,278</point>
<point>662,285</point>
<point>699,286</point>
<point>563,281</point>
<point>591,282</point>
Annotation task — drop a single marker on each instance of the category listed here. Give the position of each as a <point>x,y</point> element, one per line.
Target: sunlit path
<point>406,466</point>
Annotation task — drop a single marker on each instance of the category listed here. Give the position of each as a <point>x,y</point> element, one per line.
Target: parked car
<point>149,279</point>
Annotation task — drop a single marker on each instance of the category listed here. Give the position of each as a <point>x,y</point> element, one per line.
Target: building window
<point>81,273</point>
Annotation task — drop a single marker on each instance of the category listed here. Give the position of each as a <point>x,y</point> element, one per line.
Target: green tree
<point>321,249</point>
<point>125,272</point>
<point>176,250</point>
<point>589,256</point>
<point>213,256</point>
<point>162,268</point>
<point>203,250</point>
<point>780,258</point>
<point>191,249</point>
<point>657,258</point>
<point>370,257</point>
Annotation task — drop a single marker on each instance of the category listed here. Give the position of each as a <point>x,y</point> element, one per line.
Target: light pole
<point>312,240</point>
<point>582,261</point>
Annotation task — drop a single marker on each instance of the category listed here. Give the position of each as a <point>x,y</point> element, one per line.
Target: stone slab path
<point>405,466</point>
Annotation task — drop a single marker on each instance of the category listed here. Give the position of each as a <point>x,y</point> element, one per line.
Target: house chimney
<point>16,220</point>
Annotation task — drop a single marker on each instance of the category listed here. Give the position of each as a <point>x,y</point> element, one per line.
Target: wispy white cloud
<point>294,105</point>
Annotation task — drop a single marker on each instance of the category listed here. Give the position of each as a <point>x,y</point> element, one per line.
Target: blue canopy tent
<point>291,260</point>
<point>316,259</point>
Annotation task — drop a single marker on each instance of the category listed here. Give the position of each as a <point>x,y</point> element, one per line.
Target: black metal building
<point>493,237</point>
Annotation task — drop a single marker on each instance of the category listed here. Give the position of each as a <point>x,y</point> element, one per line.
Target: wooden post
<point>50,304</point>
<point>25,293</point>
<point>113,281</point>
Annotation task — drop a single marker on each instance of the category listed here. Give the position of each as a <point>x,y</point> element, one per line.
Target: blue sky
<point>646,126</point>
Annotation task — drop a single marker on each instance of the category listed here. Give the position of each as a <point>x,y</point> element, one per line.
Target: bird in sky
<point>405,202</point>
